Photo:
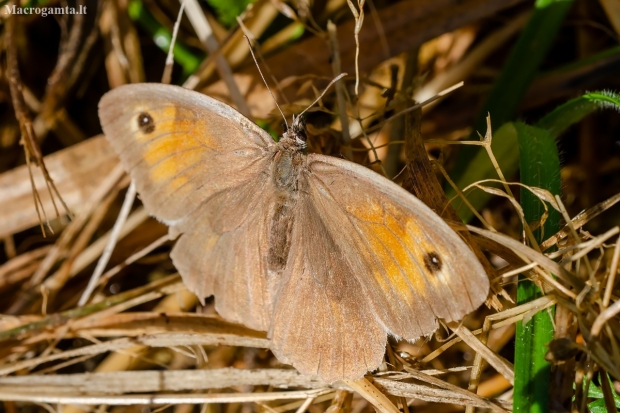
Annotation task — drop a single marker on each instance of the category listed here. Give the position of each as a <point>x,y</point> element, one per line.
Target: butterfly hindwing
<point>322,323</point>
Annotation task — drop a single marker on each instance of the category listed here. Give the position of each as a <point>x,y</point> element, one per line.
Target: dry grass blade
<point>205,34</point>
<point>529,255</point>
<point>433,394</point>
<point>499,363</point>
<point>190,398</point>
<point>76,172</point>
<point>119,383</point>
<point>368,391</point>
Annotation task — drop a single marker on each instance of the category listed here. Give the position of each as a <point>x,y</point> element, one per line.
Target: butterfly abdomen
<point>280,229</point>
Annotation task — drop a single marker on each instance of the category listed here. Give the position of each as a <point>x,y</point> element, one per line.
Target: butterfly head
<point>296,133</point>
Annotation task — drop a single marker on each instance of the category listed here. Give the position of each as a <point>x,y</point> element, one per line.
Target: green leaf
<point>540,167</point>
<point>228,10</point>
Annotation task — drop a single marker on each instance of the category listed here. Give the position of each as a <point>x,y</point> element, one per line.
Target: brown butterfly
<point>324,254</point>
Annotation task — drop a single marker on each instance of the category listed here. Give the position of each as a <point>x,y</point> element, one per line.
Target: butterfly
<point>324,254</point>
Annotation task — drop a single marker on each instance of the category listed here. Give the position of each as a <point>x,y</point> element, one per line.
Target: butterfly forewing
<point>181,148</point>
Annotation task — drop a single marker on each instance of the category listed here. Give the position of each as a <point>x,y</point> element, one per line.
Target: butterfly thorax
<point>289,158</point>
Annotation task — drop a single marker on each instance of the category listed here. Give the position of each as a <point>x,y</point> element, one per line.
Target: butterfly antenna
<point>261,75</point>
<point>337,78</point>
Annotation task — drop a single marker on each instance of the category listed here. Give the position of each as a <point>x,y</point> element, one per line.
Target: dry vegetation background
<point>138,341</point>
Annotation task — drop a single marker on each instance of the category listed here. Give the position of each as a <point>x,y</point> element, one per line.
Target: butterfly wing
<point>181,147</point>
<point>367,258</point>
<point>224,253</point>
<point>411,264</point>
<point>322,323</point>
<point>199,166</point>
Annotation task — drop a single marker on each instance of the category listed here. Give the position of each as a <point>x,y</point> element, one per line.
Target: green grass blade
<point>518,72</point>
<point>540,167</point>
<point>574,110</point>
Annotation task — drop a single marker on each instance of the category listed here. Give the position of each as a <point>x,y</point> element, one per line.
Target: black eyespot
<point>433,262</point>
<point>146,123</point>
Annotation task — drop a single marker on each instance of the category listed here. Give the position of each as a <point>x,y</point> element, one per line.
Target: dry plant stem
<point>76,225</point>
<point>613,270</point>
<point>86,47</point>
<point>135,257</point>
<point>156,340</point>
<point>23,260</point>
<point>28,140</point>
<point>257,18</point>
<point>580,220</point>
<point>366,389</point>
<point>54,284</point>
<point>407,23</point>
<point>586,262</point>
<point>528,255</point>
<point>9,247</point>
<point>392,363</point>
<point>603,317</point>
<point>463,198</point>
<point>165,77</point>
<point>380,31</point>
<point>130,196</point>
<point>119,383</point>
<point>474,379</point>
<point>487,146</point>
<point>587,247</point>
<point>58,82</point>
<point>438,395</point>
<point>499,320</point>
<point>341,402</point>
<point>502,366</point>
<point>392,158</point>
<point>86,257</point>
<point>205,34</point>
<point>418,375</point>
<point>563,375</point>
<point>359,21</point>
<point>174,399</point>
<point>123,59</point>
<point>413,108</point>
<point>336,68</point>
